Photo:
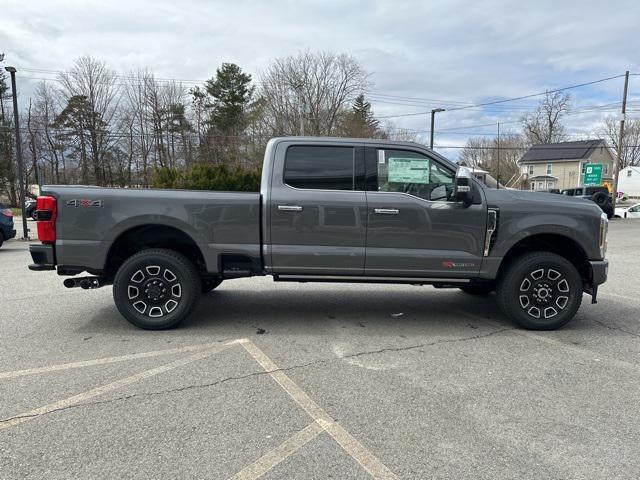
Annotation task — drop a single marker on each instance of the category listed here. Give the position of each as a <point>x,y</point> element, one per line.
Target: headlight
<point>604,231</point>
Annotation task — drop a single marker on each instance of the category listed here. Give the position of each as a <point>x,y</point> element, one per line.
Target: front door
<point>318,209</point>
<point>414,227</point>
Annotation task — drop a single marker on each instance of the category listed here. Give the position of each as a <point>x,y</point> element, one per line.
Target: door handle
<point>290,208</point>
<point>387,211</point>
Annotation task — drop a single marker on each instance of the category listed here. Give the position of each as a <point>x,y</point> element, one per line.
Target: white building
<point>629,182</point>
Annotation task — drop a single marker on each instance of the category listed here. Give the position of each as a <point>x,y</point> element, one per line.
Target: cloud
<point>450,51</point>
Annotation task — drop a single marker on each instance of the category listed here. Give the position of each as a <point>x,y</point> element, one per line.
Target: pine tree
<point>360,121</point>
<point>231,93</point>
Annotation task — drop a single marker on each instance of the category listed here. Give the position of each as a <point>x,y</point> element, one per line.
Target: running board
<point>366,279</point>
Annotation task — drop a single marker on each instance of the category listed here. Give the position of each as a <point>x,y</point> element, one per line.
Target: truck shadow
<point>318,312</point>
<point>315,311</point>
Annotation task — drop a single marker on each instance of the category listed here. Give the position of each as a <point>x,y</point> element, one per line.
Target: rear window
<point>319,167</point>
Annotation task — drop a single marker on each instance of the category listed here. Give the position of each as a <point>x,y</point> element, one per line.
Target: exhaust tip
<point>69,282</point>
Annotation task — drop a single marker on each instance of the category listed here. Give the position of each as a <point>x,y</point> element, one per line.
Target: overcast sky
<point>446,52</point>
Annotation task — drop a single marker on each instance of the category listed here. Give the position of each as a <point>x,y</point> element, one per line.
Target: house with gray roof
<point>562,165</point>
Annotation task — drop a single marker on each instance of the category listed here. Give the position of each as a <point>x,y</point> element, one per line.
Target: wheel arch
<point>151,235</point>
<point>556,243</point>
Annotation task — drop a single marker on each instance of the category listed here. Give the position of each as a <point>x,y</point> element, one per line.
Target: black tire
<point>210,284</point>
<point>478,288</point>
<point>600,198</point>
<point>1,239</point>
<point>540,291</point>
<point>156,288</point>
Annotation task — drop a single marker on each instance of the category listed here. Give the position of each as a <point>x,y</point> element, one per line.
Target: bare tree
<point>610,130</point>
<point>499,157</point>
<point>91,79</point>
<point>317,86</point>
<point>545,124</point>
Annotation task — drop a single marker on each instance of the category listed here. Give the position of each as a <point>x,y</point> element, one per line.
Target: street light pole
<point>433,120</point>
<point>12,72</point>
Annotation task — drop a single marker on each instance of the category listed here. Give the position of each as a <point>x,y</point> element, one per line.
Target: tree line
<point>93,126</point>
<point>499,155</point>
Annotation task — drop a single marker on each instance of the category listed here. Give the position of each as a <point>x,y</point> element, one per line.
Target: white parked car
<point>632,211</point>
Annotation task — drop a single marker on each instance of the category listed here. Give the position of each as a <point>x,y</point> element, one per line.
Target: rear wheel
<point>156,288</point>
<point>540,291</point>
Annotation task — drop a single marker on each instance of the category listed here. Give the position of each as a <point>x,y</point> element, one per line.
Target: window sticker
<point>381,157</point>
<point>408,170</point>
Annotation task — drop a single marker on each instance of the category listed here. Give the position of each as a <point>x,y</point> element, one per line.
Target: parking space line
<point>105,360</point>
<point>355,449</point>
<point>94,392</point>
<point>560,344</point>
<point>280,453</point>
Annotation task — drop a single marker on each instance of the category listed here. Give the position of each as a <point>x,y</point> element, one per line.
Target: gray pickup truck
<point>329,210</point>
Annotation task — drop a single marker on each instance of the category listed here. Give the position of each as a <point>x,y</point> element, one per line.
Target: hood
<point>543,200</point>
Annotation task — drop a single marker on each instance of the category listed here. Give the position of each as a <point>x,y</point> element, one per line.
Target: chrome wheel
<point>544,293</point>
<point>154,291</point>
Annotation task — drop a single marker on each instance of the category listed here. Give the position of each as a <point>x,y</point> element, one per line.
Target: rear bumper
<point>11,234</point>
<point>43,257</point>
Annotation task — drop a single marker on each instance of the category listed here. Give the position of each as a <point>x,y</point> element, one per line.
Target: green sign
<point>592,174</point>
<point>408,170</point>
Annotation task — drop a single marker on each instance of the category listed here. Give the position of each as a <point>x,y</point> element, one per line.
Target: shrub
<point>207,176</point>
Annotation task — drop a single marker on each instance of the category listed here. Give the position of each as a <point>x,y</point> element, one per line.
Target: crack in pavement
<point>259,373</point>
<point>602,324</point>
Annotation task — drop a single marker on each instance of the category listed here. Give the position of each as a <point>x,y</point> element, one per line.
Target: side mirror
<point>463,188</point>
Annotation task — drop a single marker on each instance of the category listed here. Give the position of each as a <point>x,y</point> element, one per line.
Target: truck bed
<point>90,220</point>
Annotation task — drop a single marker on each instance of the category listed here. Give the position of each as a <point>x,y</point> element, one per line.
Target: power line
<point>510,99</point>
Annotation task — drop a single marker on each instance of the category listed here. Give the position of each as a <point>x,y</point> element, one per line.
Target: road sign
<point>592,174</point>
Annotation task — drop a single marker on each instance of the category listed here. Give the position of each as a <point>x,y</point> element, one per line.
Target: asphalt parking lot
<point>283,381</point>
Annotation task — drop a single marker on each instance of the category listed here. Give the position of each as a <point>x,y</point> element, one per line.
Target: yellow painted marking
<point>105,360</point>
<point>280,453</point>
<point>358,452</point>
<point>94,392</point>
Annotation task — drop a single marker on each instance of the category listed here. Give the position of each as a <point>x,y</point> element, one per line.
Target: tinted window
<point>413,173</point>
<point>318,167</point>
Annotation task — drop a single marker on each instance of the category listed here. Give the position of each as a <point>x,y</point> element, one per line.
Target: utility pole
<point>498,152</point>
<point>12,72</point>
<point>620,141</point>
<point>433,121</point>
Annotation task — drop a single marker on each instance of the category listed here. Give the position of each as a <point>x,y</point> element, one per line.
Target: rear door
<point>318,209</point>
<point>415,229</point>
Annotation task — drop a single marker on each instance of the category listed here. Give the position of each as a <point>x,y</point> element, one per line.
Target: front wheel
<point>156,288</point>
<point>540,291</point>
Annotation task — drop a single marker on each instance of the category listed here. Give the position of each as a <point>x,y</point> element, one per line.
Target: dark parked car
<point>600,195</point>
<point>6,224</point>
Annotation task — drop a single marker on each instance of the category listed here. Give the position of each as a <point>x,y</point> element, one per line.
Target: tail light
<point>7,212</point>
<point>46,213</point>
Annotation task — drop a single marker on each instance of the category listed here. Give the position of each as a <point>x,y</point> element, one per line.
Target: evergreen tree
<point>231,93</point>
<point>360,121</point>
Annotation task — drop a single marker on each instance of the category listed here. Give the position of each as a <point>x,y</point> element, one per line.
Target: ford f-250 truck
<point>329,210</point>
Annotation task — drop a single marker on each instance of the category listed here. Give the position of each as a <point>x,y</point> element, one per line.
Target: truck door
<point>317,209</point>
<point>415,229</point>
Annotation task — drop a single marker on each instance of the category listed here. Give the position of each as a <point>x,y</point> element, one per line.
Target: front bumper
<point>12,234</point>
<point>599,271</point>
<point>44,257</point>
